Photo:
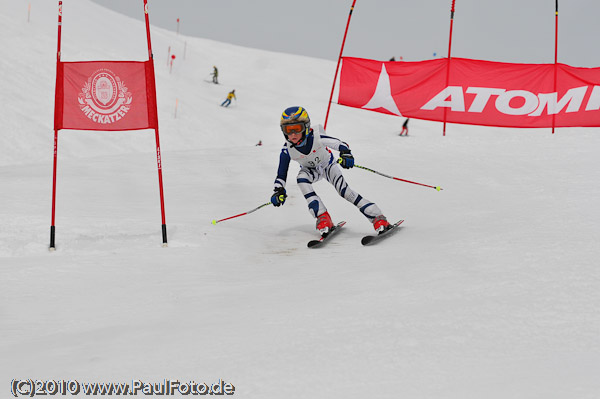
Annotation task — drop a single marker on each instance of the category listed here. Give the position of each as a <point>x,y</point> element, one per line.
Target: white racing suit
<point>317,161</point>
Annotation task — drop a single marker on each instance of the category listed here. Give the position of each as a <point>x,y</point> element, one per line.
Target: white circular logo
<point>104,97</point>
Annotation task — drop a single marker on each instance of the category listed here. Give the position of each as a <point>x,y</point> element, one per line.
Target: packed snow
<point>490,289</point>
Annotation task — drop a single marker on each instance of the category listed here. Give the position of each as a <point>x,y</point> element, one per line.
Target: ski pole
<point>392,177</point>
<point>242,214</point>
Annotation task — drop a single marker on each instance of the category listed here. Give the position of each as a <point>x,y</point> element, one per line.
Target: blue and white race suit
<point>317,161</point>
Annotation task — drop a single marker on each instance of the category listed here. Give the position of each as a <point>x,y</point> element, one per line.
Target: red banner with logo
<point>474,92</point>
<point>105,95</point>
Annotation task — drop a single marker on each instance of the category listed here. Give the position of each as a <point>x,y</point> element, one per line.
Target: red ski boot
<point>324,223</point>
<point>380,224</point>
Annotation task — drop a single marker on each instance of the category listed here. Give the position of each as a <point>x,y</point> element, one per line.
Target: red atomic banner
<point>105,95</point>
<point>474,92</point>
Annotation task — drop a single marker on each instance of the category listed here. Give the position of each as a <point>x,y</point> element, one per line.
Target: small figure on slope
<point>228,99</point>
<point>215,75</point>
<point>310,149</point>
<point>404,128</point>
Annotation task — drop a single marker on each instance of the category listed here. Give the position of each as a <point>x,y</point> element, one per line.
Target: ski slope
<point>490,289</point>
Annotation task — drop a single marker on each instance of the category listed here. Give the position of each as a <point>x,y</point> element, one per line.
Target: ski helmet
<point>295,120</point>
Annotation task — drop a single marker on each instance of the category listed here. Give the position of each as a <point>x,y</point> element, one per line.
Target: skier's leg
<point>333,174</point>
<point>305,179</point>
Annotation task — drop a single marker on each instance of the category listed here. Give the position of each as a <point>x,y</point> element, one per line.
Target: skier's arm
<point>331,142</point>
<point>347,160</point>
<point>335,143</point>
<point>279,194</point>
<point>282,170</point>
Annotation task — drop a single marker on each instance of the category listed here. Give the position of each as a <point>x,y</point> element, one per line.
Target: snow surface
<point>490,290</point>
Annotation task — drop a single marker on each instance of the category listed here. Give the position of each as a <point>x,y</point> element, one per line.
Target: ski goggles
<point>293,128</point>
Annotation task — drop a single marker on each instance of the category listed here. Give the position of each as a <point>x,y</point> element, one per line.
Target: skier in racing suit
<point>310,148</point>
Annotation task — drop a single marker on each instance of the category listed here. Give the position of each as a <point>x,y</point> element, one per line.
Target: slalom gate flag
<point>105,95</point>
<point>477,93</point>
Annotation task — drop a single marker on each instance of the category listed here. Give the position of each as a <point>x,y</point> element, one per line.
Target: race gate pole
<point>158,155</point>
<point>52,246</point>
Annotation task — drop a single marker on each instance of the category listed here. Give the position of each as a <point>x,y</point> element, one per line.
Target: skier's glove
<point>346,159</point>
<point>279,196</point>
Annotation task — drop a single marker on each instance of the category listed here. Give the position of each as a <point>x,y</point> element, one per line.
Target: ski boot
<point>380,224</point>
<point>324,223</point>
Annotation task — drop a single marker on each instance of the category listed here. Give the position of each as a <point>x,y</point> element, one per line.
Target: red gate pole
<point>338,63</point>
<point>555,60</point>
<point>158,157</point>
<point>52,225</point>
<point>449,52</point>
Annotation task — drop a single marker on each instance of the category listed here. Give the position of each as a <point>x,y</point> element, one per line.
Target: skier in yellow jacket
<point>230,96</point>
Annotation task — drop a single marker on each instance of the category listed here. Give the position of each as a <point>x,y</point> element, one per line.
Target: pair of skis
<point>366,240</point>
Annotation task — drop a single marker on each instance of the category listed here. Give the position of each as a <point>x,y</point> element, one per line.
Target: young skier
<point>310,149</point>
<point>228,99</point>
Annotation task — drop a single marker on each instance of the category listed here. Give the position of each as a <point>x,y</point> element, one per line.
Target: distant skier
<point>230,96</point>
<point>404,128</point>
<point>309,148</point>
<point>215,75</point>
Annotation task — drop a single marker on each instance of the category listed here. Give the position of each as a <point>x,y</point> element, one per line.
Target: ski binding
<point>370,239</point>
<point>325,237</point>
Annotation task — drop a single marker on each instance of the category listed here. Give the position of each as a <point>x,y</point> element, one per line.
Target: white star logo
<point>382,98</point>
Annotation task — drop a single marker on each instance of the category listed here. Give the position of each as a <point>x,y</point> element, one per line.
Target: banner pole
<point>555,60</point>
<point>160,185</point>
<point>158,156</point>
<point>449,53</point>
<point>52,246</point>
<point>338,63</point>
<point>150,56</point>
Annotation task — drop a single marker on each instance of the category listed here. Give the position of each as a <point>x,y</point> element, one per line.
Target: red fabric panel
<point>105,95</point>
<point>58,97</point>
<point>478,92</point>
<point>151,95</point>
